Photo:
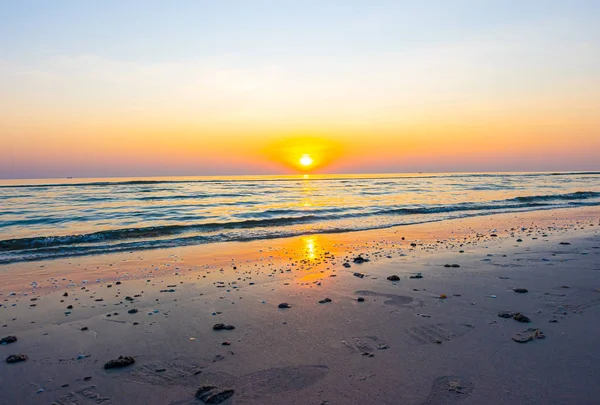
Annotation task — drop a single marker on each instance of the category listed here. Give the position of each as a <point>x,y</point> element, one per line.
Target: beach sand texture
<point>445,332</point>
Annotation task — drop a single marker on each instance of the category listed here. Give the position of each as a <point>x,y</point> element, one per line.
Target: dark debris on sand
<point>8,339</point>
<point>528,335</point>
<point>517,316</point>
<point>360,259</point>
<point>16,358</point>
<point>394,278</point>
<point>521,318</point>
<point>284,305</point>
<point>210,394</point>
<point>122,361</point>
<point>520,290</point>
<point>222,326</point>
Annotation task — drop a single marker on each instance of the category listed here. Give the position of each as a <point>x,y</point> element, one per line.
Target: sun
<point>306,161</point>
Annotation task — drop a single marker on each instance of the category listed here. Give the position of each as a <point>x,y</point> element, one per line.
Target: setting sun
<point>306,160</point>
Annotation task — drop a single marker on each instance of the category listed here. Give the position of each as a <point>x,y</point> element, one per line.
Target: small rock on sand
<point>16,358</point>
<point>8,339</point>
<point>132,311</point>
<point>360,299</point>
<point>394,278</point>
<point>506,314</point>
<point>284,305</point>
<point>122,361</point>
<point>209,394</point>
<point>359,275</point>
<point>521,318</point>
<point>325,300</point>
<point>222,326</point>
<point>520,290</point>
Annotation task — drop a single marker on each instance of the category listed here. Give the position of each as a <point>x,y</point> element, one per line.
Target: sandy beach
<point>299,202</point>
<point>448,329</point>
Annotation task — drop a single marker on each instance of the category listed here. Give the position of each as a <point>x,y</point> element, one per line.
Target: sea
<point>55,218</point>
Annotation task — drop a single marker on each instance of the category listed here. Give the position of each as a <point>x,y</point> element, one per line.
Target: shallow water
<point>42,219</point>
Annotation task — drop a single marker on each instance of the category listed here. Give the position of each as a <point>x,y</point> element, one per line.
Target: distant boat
<point>69,177</point>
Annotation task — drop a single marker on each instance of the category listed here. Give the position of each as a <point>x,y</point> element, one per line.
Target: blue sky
<point>161,30</point>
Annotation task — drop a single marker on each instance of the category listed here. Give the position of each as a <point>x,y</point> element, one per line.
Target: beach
<point>299,203</point>
<point>449,328</point>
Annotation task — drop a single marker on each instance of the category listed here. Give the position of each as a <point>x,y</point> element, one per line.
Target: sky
<point>149,88</point>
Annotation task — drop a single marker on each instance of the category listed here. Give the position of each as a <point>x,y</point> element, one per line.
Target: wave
<point>61,251</point>
<point>340,178</point>
<point>277,219</point>
<point>578,195</point>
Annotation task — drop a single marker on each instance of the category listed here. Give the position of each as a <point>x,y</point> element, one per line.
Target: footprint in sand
<point>84,396</point>
<point>391,299</point>
<point>164,374</point>
<point>438,332</point>
<point>253,388</point>
<point>448,390</point>
<point>365,344</point>
<point>578,301</point>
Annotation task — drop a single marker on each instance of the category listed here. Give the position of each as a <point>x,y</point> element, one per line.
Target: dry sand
<point>431,340</point>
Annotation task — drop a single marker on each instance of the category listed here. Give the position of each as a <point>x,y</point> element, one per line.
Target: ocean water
<point>44,219</point>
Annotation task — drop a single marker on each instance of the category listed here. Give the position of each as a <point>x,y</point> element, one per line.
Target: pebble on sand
<point>323,301</point>
<point>506,314</point>
<point>394,278</point>
<point>521,318</point>
<point>222,326</point>
<point>359,259</point>
<point>209,394</point>
<point>122,361</point>
<point>284,305</point>
<point>360,299</point>
<point>8,339</point>
<point>16,358</point>
<point>520,290</point>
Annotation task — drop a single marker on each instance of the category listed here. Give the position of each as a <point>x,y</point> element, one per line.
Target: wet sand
<point>434,339</point>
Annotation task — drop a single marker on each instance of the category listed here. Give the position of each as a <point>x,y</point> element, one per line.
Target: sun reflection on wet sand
<point>309,247</point>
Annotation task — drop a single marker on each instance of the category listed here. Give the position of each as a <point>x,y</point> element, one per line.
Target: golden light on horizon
<point>305,153</point>
<point>306,161</point>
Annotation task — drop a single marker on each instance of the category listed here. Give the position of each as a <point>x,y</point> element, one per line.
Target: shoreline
<point>432,340</point>
<point>19,275</point>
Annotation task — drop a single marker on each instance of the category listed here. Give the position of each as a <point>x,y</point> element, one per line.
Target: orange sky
<point>509,95</point>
